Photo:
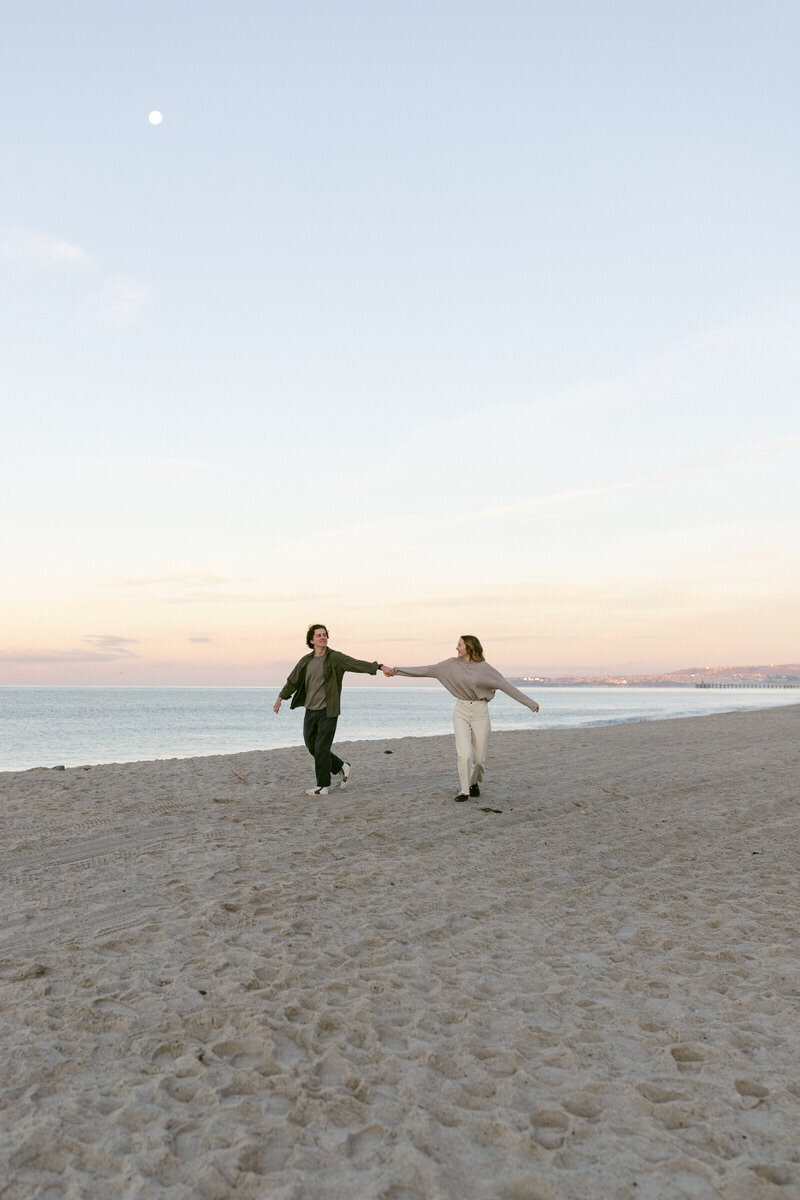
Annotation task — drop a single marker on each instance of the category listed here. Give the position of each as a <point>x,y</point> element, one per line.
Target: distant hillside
<point>785,675</point>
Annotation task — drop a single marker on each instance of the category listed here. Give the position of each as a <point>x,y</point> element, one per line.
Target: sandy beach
<point>213,985</point>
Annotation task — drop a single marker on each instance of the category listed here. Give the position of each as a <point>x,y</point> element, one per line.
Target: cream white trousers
<point>471,724</point>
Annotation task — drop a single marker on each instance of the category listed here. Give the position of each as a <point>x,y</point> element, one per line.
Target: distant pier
<point>748,686</point>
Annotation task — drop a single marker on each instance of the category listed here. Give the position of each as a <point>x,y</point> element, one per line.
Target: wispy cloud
<point>199,596</point>
<point>732,362</point>
<point>111,641</point>
<point>36,249</point>
<point>387,551</point>
<point>702,466</point>
<point>182,579</point>
<point>581,604</point>
<point>388,530</point>
<point>119,304</point>
<point>105,648</point>
<point>205,588</point>
<point>157,468</point>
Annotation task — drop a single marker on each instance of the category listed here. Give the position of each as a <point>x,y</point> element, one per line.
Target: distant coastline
<point>786,675</point>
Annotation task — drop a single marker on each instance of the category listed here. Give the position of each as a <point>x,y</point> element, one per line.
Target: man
<point>316,682</point>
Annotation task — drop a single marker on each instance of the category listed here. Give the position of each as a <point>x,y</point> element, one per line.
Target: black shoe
<point>474,790</point>
<point>461,797</point>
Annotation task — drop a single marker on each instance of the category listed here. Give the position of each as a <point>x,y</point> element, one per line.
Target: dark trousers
<point>318,732</point>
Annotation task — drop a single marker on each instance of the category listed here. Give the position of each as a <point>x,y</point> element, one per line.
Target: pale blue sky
<point>414,318</point>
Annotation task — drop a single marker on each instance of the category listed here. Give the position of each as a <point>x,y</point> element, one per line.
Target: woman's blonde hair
<point>474,647</point>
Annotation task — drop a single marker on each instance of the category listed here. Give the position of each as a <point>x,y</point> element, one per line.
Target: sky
<point>412,319</point>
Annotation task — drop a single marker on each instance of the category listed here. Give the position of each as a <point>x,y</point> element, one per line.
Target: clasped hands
<point>388,671</point>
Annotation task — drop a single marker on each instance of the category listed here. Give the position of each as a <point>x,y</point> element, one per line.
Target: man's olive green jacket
<point>333,669</point>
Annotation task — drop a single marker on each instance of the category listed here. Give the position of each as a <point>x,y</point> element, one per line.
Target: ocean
<point>78,726</point>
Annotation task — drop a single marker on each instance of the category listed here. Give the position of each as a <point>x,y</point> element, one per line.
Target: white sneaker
<point>345,773</point>
<point>317,791</point>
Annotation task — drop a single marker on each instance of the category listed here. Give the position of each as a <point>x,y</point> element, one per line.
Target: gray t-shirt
<point>315,683</point>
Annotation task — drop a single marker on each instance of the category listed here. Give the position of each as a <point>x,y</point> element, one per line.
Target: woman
<point>473,683</point>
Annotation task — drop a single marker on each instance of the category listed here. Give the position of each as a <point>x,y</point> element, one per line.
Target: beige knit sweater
<point>469,680</point>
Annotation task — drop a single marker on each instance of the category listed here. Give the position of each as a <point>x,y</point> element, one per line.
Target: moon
<point>155,118</point>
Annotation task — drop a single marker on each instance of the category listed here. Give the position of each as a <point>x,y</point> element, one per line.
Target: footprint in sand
<point>550,1127</point>
<point>584,1106</point>
<point>749,1090</point>
<point>688,1056</point>
<point>779,1175</point>
<point>659,1095</point>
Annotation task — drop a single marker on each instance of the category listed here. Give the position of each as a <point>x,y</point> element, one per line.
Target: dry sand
<point>213,985</point>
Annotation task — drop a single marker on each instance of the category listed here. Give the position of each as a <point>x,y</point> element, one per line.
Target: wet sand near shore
<point>584,984</point>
